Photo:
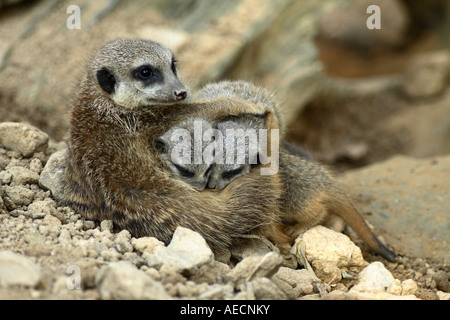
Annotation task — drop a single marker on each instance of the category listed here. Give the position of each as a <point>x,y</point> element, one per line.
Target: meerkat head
<point>187,151</point>
<point>136,73</point>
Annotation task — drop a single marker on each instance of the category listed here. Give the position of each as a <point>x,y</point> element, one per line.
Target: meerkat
<point>178,147</point>
<point>129,96</point>
<point>309,193</point>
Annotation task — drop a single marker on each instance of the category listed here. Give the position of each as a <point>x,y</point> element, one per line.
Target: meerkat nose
<point>180,95</point>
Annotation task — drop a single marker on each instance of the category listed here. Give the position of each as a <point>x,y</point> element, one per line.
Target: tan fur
<point>309,194</point>
<point>114,172</point>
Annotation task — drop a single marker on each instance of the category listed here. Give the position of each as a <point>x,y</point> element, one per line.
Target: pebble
<point>19,195</point>
<point>253,267</point>
<point>51,175</point>
<point>375,277</point>
<point>22,176</point>
<point>187,250</point>
<point>23,138</point>
<point>121,280</point>
<point>301,281</point>
<point>146,244</point>
<point>18,270</point>
<point>328,252</point>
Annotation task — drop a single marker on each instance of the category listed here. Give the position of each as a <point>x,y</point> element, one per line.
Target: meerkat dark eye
<point>232,173</point>
<point>173,66</point>
<point>147,74</point>
<point>161,146</point>
<point>185,173</point>
<point>208,171</point>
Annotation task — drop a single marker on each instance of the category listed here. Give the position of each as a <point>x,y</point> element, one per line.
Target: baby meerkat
<point>309,194</point>
<point>228,150</point>
<point>185,149</point>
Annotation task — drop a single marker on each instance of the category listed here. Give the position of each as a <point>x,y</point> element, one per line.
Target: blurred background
<point>352,96</point>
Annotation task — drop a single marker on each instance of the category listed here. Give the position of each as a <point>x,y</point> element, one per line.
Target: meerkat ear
<point>106,80</point>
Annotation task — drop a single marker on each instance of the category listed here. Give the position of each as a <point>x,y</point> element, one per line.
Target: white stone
<point>122,280</point>
<point>23,138</point>
<point>409,287</point>
<point>16,269</point>
<point>52,175</point>
<point>146,244</point>
<point>375,277</point>
<point>187,250</point>
<point>327,245</point>
<point>22,175</point>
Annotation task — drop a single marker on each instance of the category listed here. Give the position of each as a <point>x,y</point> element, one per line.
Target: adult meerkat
<point>129,96</point>
<point>309,194</point>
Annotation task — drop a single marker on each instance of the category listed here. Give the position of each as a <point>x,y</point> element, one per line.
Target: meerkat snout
<point>180,94</point>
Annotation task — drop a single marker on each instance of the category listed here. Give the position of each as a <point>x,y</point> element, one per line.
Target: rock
<point>377,283</point>
<point>284,57</point>
<point>121,280</point>
<point>146,244</point>
<point>430,134</point>
<point>23,138</point>
<point>122,242</point>
<point>253,247</point>
<point>5,177</point>
<point>106,225</point>
<point>327,245</point>
<point>442,281</point>
<point>22,176</point>
<point>427,74</point>
<point>375,277</point>
<point>51,226</point>
<point>39,209</point>
<point>395,287</point>
<point>255,266</point>
<point>187,250</point>
<point>52,175</point>
<point>327,251</point>
<point>265,289</point>
<point>19,195</point>
<point>443,295</point>
<point>409,287</point>
<point>403,194</point>
<point>36,165</point>
<point>302,281</point>
<point>17,270</point>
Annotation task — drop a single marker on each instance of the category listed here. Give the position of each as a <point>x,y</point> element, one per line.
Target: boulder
<point>407,202</point>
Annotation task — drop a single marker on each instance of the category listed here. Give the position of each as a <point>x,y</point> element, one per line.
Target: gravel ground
<point>49,252</point>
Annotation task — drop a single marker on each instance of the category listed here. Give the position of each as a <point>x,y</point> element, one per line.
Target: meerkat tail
<point>340,205</point>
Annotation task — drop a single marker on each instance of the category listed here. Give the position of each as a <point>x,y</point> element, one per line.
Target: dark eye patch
<point>161,146</point>
<point>173,66</point>
<point>147,74</point>
<point>185,173</point>
<point>232,173</point>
